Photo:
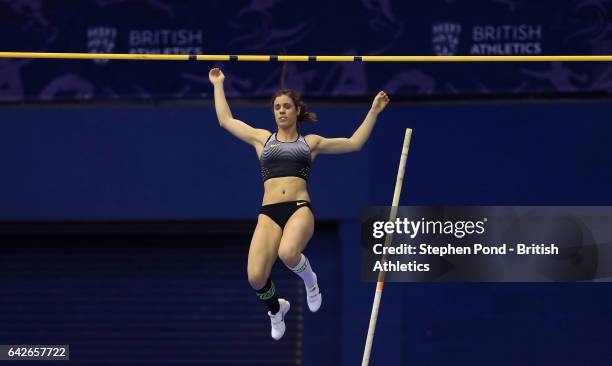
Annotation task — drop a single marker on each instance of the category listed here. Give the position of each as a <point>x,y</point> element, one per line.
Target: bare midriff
<point>284,189</point>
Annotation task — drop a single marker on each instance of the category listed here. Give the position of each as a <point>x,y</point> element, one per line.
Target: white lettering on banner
<point>521,39</point>
<point>168,41</point>
<point>505,39</point>
<point>167,50</point>
<point>523,32</point>
<point>506,49</point>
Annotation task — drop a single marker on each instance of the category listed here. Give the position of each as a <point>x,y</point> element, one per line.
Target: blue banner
<point>366,27</point>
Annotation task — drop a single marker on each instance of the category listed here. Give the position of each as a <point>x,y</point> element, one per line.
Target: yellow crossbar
<point>303,58</point>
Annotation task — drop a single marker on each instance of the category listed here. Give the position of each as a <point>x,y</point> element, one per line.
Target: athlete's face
<point>285,112</point>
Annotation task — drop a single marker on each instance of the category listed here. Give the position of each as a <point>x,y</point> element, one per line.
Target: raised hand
<point>216,76</point>
<point>380,102</point>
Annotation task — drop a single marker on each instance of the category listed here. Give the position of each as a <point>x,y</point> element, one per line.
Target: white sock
<point>304,270</point>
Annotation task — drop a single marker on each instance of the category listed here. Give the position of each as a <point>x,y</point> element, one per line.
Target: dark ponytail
<point>304,115</point>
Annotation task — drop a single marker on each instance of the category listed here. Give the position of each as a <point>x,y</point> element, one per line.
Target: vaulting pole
<point>381,276</point>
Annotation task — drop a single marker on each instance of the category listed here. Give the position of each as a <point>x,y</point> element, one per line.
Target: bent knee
<point>290,256</point>
<point>257,279</point>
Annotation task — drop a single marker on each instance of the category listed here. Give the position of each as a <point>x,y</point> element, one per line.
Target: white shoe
<point>313,296</point>
<point>278,320</point>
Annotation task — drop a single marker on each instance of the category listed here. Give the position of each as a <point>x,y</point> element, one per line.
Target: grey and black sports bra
<point>285,159</point>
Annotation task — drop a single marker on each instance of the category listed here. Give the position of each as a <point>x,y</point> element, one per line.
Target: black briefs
<point>281,212</point>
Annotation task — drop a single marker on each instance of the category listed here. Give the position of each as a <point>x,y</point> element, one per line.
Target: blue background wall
<point>174,163</point>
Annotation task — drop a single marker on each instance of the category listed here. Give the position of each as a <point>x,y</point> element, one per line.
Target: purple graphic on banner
<point>233,84</point>
<point>256,23</point>
<point>11,86</point>
<point>561,77</point>
<point>349,79</point>
<point>604,80</point>
<point>384,21</point>
<point>31,10</point>
<point>594,23</point>
<point>156,4</point>
<point>415,81</point>
<point>510,3</point>
<point>70,86</point>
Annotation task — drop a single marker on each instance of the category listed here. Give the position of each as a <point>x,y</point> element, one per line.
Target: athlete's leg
<point>295,236</point>
<point>262,254</point>
<point>297,233</point>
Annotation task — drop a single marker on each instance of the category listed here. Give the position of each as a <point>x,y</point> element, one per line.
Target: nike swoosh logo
<point>274,145</point>
<point>301,203</point>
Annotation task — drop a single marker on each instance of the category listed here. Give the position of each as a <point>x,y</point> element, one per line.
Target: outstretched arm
<point>253,136</point>
<point>322,145</point>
